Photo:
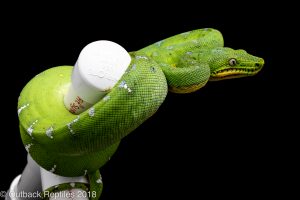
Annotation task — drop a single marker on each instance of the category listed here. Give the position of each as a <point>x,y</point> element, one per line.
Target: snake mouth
<point>230,73</point>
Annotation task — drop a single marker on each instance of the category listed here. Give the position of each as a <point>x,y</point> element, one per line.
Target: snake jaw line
<point>230,73</point>
<point>226,72</point>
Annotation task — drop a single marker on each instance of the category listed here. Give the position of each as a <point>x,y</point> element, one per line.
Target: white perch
<point>99,67</point>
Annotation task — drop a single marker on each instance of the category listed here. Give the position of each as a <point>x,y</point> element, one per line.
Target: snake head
<point>227,63</point>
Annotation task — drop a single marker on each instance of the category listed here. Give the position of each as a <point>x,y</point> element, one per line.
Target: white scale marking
<point>99,181</point>
<point>106,98</point>
<point>92,112</point>
<point>30,129</point>
<point>158,43</point>
<point>141,57</point>
<point>53,169</point>
<point>49,132</point>
<point>27,147</point>
<point>154,54</point>
<point>71,123</point>
<point>125,86</point>
<point>22,108</point>
<point>133,67</point>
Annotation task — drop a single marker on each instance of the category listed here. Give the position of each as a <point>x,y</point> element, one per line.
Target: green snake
<point>78,145</point>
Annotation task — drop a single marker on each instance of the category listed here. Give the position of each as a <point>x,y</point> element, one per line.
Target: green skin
<point>77,145</point>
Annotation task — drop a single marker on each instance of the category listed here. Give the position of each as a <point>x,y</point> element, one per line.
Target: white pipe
<point>31,172</point>
<point>29,183</point>
<point>13,189</point>
<point>99,67</point>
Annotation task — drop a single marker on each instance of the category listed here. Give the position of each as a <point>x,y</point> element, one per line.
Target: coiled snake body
<point>77,145</point>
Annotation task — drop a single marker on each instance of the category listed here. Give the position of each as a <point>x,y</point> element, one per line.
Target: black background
<point>218,141</point>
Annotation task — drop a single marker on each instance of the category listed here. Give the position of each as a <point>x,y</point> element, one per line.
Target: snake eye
<point>232,62</point>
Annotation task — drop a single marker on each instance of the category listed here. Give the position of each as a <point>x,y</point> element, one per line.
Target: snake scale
<point>78,145</point>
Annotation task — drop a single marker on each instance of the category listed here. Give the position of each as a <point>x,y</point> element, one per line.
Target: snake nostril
<point>257,64</point>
